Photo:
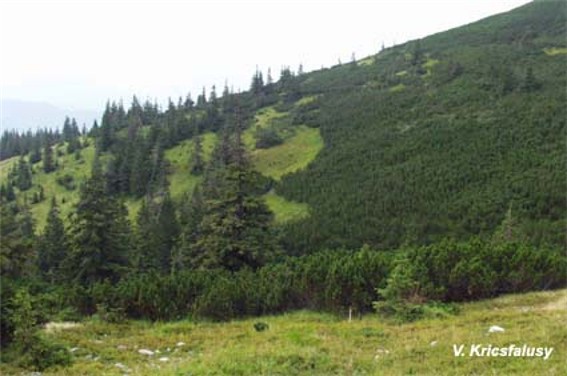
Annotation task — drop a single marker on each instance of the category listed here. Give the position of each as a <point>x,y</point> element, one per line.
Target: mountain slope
<point>441,137</point>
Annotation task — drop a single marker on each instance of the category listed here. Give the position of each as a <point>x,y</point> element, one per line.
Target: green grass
<point>284,210</point>
<point>264,118</point>
<point>553,51</point>
<point>307,343</point>
<point>293,155</point>
<point>397,88</point>
<point>179,157</point>
<point>366,61</point>
<point>428,65</point>
<point>306,100</point>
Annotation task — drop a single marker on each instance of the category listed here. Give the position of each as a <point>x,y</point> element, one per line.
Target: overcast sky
<point>77,54</point>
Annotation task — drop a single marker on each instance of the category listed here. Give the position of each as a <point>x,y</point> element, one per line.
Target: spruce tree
<point>48,162</point>
<point>105,134</point>
<point>235,230</point>
<point>145,258</point>
<point>197,162</point>
<point>53,244</point>
<point>157,233</point>
<point>185,255</point>
<point>24,176</point>
<point>99,234</point>
<point>67,130</point>
<point>16,247</point>
<point>140,168</point>
<point>10,195</point>
<point>35,155</point>
<point>168,230</point>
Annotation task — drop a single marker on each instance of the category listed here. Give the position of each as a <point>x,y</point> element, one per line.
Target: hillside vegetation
<point>441,137</point>
<point>435,138</point>
<point>299,148</point>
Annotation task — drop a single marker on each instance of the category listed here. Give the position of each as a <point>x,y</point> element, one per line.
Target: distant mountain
<point>24,115</point>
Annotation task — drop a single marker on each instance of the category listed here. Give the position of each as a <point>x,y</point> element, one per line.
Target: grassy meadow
<point>309,343</point>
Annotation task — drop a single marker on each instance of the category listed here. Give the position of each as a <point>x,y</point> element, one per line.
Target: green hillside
<point>441,137</point>
<point>76,171</point>
<point>300,147</point>
<point>435,138</point>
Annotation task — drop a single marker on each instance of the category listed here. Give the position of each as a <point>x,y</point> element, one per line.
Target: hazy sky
<point>78,54</point>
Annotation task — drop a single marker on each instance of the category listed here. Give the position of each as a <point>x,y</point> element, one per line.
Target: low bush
<point>267,138</point>
<point>450,271</point>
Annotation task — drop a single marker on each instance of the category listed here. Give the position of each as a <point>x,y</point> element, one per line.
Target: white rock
<point>54,326</point>
<point>146,352</point>
<point>434,343</point>
<point>121,366</point>
<point>495,329</point>
<point>179,344</point>
<point>73,349</point>
<point>157,351</point>
<point>168,349</point>
<point>164,359</point>
<point>121,347</point>
<point>380,353</point>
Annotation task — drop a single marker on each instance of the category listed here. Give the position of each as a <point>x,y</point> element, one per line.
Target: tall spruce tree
<point>235,230</point>
<point>53,245</point>
<point>105,133</point>
<point>99,234</point>
<point>35,155</point>
<point>140,168</point>
<point>16,247</point>
<point>48,162</point>
<point>197,162</point>
<point>157,233</point>
<point>190,216</point>
<point>24,176</point>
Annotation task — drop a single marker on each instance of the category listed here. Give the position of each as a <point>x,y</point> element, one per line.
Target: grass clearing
<point>293,155</point>
<point>284,210</point>
<point>264,118</point>
<point>306,100</point>
<point>397,88</point>
<point>366,61</point>
<point>554,51</point>
<point>428,65</point>
<point>308,343</point>
<point>179,157</point>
